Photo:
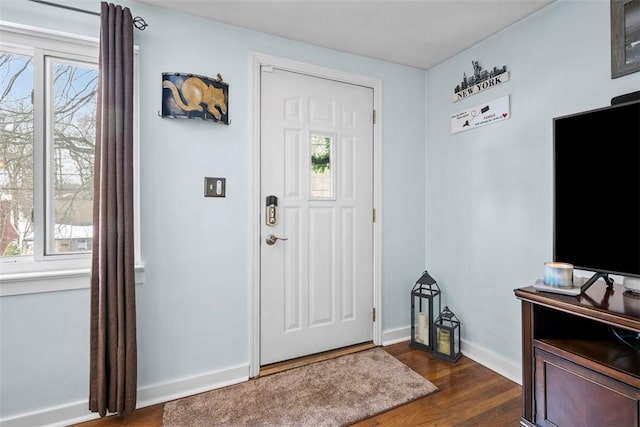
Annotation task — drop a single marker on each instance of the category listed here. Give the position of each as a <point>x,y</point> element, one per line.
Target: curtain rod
<point>138,22</point>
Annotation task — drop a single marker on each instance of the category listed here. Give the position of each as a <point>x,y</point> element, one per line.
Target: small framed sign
<point>481,115</point>
<point>625,37</point>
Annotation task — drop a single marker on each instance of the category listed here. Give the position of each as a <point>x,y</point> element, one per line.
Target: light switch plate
<point>215,187</point>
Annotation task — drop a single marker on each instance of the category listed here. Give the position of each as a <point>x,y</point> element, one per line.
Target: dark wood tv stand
<point>575,372</point>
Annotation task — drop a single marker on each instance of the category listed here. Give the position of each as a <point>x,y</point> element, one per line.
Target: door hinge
<point>374,314</point>
<point>374,215</point>
<point>374,117</point>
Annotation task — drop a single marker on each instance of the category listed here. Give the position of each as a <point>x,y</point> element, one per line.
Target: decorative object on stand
<point>425,300</point>
<point>558,274</point>
<point>632,284</point>
<point>195,97</point>
<point>559,279</point>
<point>446,333</point>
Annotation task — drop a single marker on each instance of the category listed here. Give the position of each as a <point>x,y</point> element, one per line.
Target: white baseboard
<point>62,415</point>
<point>77,412</point>
<point>394,336</point>
<point>158,393</point>
<point>495,362</point>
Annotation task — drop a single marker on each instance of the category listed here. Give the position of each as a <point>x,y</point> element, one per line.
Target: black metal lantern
<point>425,300</point>
<point>446,332</point>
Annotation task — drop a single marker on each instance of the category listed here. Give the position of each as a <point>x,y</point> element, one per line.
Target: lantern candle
<point>423,328</point>
<point>444,341</point>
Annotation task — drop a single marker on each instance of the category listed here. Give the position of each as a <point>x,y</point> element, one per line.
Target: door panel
<point>317,158</point>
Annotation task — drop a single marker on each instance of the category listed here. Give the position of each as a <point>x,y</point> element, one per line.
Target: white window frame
<point>40,273</point>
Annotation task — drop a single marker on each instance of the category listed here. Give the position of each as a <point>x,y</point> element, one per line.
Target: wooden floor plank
<point>469,395</point>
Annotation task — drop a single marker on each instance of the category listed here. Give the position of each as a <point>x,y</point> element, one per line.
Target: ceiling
<point>418,33</point>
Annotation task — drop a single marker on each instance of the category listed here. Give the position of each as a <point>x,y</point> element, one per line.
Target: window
<point>321,179</point>
<point>48,100</point>
<point>67,144</point>
<point>16,152</point>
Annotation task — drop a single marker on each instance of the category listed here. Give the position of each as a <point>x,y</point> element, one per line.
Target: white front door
<point>316,151</point>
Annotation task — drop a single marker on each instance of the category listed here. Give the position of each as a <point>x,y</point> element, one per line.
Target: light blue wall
<point>489,195</point>
<point>488,205</point>
<point>194,307</point>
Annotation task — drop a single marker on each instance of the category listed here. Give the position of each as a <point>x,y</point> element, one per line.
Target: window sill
<point>51,281</point>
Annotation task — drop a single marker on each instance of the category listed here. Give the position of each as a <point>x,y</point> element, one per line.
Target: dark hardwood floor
<point>469,395</point>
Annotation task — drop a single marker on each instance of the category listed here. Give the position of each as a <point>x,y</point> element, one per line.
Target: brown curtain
<point>113,367</point>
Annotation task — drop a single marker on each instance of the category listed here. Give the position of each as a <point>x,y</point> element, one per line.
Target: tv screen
<point>597,190</point>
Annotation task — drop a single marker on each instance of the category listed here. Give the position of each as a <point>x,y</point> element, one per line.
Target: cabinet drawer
<point>567,394</point>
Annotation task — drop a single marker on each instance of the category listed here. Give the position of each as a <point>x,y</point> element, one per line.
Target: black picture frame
<point>625,37</point>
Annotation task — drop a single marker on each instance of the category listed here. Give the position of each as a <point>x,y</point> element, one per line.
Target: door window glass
<point>322,176</point>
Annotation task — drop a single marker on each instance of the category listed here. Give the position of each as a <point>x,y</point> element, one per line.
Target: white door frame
<point>257,204</point>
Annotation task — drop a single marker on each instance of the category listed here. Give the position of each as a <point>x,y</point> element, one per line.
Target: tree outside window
<point>66,142</point>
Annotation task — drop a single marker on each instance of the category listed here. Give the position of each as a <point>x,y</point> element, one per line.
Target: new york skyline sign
<point>480,81</point>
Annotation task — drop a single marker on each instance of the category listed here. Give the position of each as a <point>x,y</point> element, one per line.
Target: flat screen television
<point>597,191</point>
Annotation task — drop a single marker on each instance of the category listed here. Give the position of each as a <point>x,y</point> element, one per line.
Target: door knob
<point>271,239</point>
